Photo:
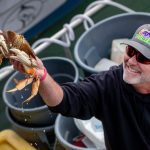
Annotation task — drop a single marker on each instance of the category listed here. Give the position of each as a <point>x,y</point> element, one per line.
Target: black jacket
<point>125,114</point>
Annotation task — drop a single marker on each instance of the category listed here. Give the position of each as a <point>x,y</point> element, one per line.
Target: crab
<point>14,46</point>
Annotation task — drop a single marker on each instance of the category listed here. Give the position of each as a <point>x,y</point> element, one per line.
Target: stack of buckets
<point>33,120</point>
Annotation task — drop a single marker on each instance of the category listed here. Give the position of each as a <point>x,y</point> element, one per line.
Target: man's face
<point>135,72</point>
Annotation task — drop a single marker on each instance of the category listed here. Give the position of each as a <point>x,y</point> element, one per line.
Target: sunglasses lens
<point>139,57</point>
<point>130,51</point>
<point>142,59</point>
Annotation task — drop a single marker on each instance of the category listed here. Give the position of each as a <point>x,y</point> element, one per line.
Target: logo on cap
<point>144,36</point>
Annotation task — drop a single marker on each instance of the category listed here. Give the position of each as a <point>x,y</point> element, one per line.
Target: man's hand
<point>19,67</point>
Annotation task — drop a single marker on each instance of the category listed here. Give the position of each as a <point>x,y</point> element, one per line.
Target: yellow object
<point>9,140</point>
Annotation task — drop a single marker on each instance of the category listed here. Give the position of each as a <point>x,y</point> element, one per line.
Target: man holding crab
<point>119,97</point>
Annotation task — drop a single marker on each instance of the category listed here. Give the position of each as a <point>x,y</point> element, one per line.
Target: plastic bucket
<point>36,113</point>
<point>40,137</point>
<point>95,43</point>
<point>65,131</point>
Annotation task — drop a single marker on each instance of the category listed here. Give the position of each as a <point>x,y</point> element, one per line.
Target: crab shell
<point>14,40</point>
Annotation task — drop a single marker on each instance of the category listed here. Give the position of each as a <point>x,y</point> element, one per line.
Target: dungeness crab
<point>14,46</point>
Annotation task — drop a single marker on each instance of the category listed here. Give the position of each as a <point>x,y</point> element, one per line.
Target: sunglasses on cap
<point>131,51</point>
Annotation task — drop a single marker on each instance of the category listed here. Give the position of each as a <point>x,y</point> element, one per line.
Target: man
<point>119,97</point>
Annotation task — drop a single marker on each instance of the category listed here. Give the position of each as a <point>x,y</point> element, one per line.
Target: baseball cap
<point>141,40</point>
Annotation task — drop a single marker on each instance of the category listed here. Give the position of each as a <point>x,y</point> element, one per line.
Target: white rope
<point>70,32</point>
<point>86,19</point>
<point>49,41</point>
<point>69,35</point>
<point>67,30</point>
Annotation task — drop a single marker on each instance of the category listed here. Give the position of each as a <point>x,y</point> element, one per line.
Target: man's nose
<point>133,60</point>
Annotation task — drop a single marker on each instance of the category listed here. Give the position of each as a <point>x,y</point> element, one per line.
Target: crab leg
<point>21,84</point>
<point>29,71</point>
<point>1,58</point>
<point>34,91</point>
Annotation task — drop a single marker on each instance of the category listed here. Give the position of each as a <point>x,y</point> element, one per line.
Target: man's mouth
<point>132,69</point>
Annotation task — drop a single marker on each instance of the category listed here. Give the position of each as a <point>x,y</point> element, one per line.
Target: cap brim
<point>141,48</point>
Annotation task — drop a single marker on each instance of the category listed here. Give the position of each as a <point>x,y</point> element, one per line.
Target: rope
<point>86,19</point>
<point>69,35</point>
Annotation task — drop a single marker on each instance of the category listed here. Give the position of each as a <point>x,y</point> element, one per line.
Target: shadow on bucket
<point>36,113</point>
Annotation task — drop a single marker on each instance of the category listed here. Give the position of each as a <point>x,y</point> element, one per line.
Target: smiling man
<point>137,60</point>
<point>119,97</point>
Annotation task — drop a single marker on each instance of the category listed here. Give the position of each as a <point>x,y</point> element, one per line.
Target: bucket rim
<point>31,128</point>
<point>76,56</point>
<point>40,108</point>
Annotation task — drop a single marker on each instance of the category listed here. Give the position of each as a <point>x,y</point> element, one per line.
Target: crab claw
<point>34,91</point>
<point>21,84</point>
